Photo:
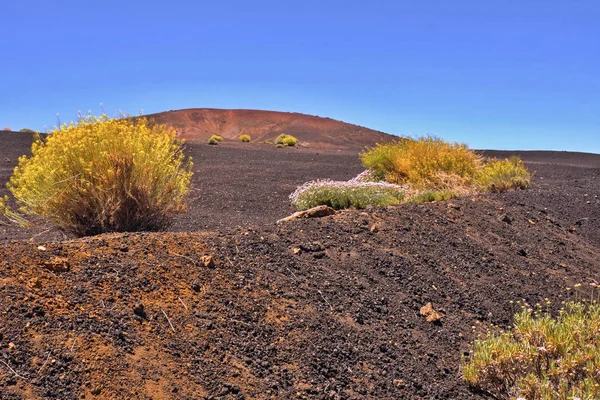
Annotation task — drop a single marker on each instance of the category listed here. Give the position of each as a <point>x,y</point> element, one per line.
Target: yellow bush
<point>217,138</point>
<point>213,141</point>
<point>421,162</point>
<point>103,175</point>
<point>541,358</point>
<point>289,141</point>
<point>503,175</point>
<point>245,138</point>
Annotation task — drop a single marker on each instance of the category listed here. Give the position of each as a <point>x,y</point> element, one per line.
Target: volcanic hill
<point>198,124</point>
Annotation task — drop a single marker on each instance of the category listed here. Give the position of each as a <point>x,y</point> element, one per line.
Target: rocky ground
<point>240,307</point>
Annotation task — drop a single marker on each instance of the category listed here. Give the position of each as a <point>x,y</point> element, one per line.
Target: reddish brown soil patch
<point>198,124</point>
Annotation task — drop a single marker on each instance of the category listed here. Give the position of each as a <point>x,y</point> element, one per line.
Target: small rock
<point>42,248</point>
<point>399,383</point>
<point>124,248</point>
<point>207,261</point>
<point>429,313</point>
<point>296,250</point>
<point>523,253</point>
<point>57,264</point>
<point>374,228</point>
<point>506,218</point>
<point>138,310</point>
<point>315,212</point>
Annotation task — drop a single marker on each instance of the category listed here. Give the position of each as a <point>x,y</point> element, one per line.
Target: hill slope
<point>198,124</point>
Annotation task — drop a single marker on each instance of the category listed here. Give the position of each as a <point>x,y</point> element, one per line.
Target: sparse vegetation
<point>289,141</point>
<point>6,128</point>
<point>245,138</point>
<point>424,163</point>
<point>541,357</point>
<point>351,194</point>
<point>430,169</point>
<point>217,138</point>
<point>26,130</point>
<point>102,175</point>
<point>504,175</point>
<point>432,195</point>
<point>213,141</point>
<point>430,164</point>
<point>286,140</point>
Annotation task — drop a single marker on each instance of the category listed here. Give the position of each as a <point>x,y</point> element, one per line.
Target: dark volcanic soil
<point>315,309</point>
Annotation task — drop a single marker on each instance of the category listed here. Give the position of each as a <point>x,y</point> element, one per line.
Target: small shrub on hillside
<point>504,175</point>
<point>213,141</point>
<point>245,138</point>
<point>541,358</point>
<point>289,141</point>
<point>279,139</point>
<point>351,194</point>
<point>103,175</point>
<point>6,128</point>
<point>432,195</point>
<point>286,140</point>
<point>420,163</point>
<point>217,138</point>
<point>26,130</point>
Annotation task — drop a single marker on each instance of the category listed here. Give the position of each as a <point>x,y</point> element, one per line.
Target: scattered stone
<point>296,250</point>
<point>124,248</point>
<point>315,212</point>
<point>207,261</point>
<point>42,248</point>
<point>523,253</point>
<point>399,383</point>
<point>57,264</point>
<point>453,205</point>
<point>374,228</point>
<point>429,313</point>
<point>138,310</point>
<point>506,218</point>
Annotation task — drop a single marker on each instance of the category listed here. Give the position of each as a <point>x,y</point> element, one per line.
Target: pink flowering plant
<point>358,192</point>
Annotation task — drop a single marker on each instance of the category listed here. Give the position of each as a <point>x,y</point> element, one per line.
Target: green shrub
<point>103,175</point>
<point>341,195</point>
<point>245,138</point>
<point>26,130</point>
<point>289,141</point>
<point>432,195</point>
<point>503,175</point>
<point>541,357</point>
<point>217,138</point>
<point>421,162</point>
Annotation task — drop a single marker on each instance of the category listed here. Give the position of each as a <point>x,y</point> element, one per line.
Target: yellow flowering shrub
<point>103,175</point>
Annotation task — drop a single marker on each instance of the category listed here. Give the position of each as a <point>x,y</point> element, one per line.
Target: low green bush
<point>541,358</point>
<point>26,130</point>
<point>432,195</point>
<point>342,195</point>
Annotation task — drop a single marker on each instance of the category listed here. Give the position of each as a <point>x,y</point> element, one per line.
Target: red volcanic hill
<point>198,124</point>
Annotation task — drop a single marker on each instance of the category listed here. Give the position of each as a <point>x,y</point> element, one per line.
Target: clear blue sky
<point>494,74</point>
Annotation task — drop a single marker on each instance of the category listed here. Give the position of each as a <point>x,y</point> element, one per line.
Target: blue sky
<point>494,74</point>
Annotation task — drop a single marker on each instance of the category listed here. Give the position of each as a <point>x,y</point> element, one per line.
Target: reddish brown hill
<point>198,124</point>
